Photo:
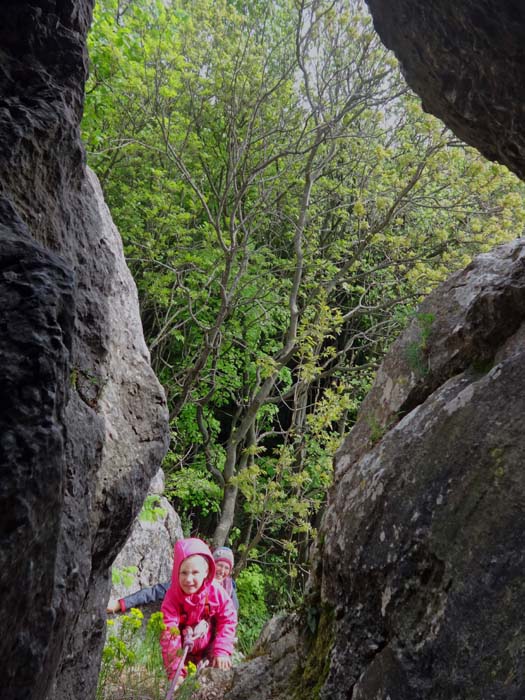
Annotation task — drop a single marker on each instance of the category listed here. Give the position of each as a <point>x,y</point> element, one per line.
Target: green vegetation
<point>284,204</point>
<point>415,351</point>
<point>376,429</point>
<point>131,661</point>
<point>253,610</point>
<point>124,576</point>
<point>308,680</point>
<point>152,510</point>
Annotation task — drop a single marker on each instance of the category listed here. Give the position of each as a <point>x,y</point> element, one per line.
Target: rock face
<point>83,421</point>
<point>149,548</point>
<point>423,557</point>
<point>264,677</point>
<point>467,61</point>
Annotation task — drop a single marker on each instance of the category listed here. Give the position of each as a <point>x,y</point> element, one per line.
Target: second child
<point>223,557</point>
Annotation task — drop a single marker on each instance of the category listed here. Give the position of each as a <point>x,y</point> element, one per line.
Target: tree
<point>284,202</point>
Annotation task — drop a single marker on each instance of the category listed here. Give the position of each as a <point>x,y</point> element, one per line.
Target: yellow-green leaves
<point>284,203</point>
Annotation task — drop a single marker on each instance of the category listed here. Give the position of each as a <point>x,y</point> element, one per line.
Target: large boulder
<point>467,61</point>
<point>266,675</point>
<point>83,421</point>
<point>422,555</point>
<point>147,555</point>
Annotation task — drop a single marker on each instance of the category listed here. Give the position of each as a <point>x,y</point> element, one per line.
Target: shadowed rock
<point>466,60</point>
<point>423,529</point>
<point>82,418</point>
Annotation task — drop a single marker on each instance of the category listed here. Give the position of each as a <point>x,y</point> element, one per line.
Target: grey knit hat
<point>223,554</point>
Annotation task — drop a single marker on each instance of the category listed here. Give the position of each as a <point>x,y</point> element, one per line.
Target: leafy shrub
<point>194,494</point>
<point>124,576</point>
<point>253,611</point>
<point>152,510</point>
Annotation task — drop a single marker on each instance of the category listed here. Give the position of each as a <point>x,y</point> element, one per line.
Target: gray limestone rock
<point>466,60</point>
<point>118,389</point>
<point>149,548</point>
<point>83,421</point>
<point>266,675</point>
<point>423,526</point>
<point>479,309</point>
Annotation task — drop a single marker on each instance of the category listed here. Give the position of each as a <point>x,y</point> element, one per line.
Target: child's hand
<point>201,629</point>
<point>222,662</point>
<point>113,606</point>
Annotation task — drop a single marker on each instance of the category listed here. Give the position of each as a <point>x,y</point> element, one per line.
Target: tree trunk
<point>227,514</point>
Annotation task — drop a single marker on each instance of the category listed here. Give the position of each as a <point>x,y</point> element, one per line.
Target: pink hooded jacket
<point>180,610</point>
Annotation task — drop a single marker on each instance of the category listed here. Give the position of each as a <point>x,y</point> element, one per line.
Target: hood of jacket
<point>185,548</point>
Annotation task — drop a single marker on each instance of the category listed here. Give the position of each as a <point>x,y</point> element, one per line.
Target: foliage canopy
<point>284,203</point>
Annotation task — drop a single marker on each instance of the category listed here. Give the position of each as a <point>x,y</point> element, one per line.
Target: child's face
<point>192,573</point>
<point>222,570</point>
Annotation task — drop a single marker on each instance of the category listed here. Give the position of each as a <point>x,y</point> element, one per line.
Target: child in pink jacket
<point>199,608</point>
